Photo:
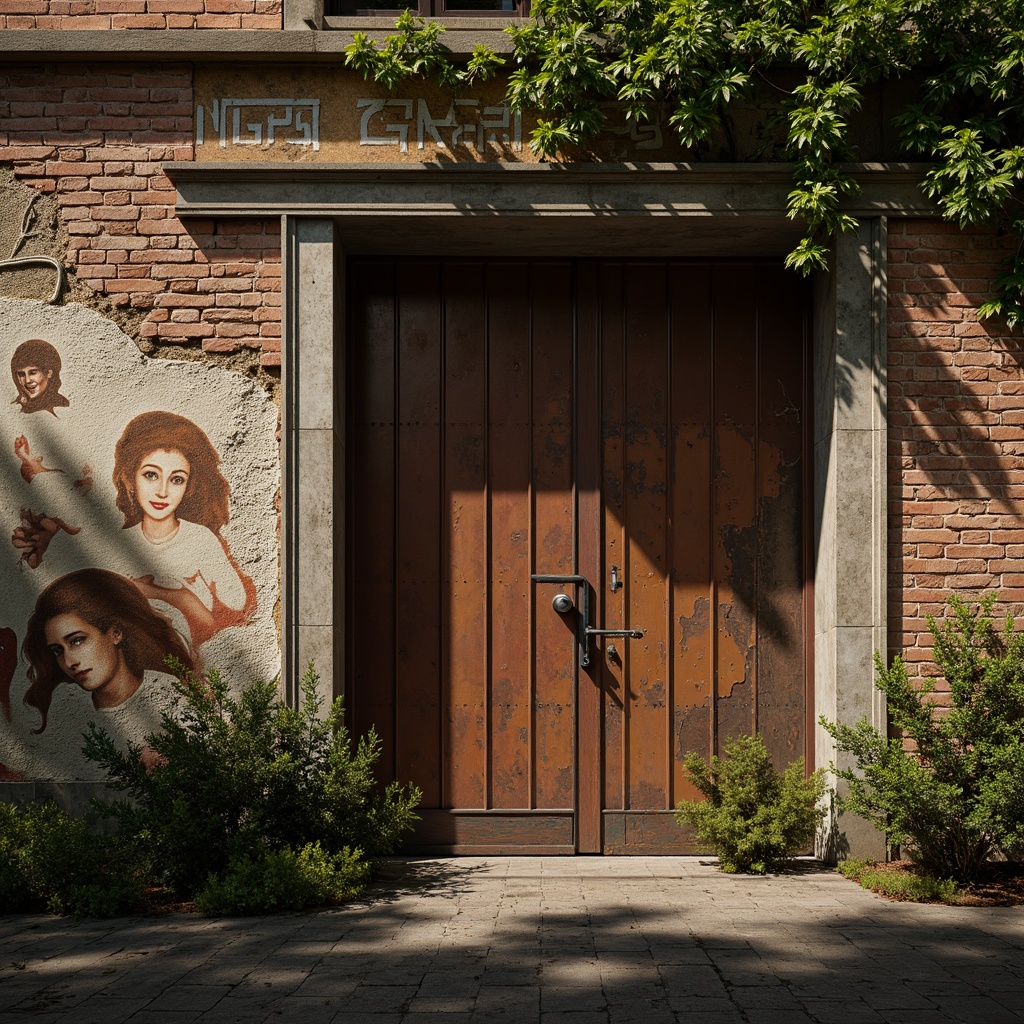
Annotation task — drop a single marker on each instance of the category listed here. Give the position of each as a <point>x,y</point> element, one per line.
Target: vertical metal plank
<point>372,462</point>
<point>589,550</point>
<point>735,507</point>
<point>418,505</point>
<point>690,497</point>
<point>646,511</point>
<point>466,501</point>
<point>508,469</point>
<point>554,535</point>
<point>780,635</point>
<point>615,551</point>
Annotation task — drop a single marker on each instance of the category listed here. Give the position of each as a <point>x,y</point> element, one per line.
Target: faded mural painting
<point>137,521</point>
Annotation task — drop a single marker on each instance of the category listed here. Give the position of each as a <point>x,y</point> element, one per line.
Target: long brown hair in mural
<point>35,370</point>
<point>8,664</point>
<point>96,629</point>
<point>175,500</point>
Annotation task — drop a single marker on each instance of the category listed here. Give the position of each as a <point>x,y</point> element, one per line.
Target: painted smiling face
<point>86,654</point>
<point>32,380</point>
<point>160,484</point>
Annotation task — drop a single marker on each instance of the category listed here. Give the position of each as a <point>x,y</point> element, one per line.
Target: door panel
<point>560,417</point>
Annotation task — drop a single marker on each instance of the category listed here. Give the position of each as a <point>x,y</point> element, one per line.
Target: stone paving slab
<point>587,940</point>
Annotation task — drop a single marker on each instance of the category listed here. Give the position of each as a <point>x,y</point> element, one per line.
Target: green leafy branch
<point>694,64</point>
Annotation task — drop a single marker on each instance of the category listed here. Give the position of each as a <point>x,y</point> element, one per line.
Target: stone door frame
<point>706,210</point>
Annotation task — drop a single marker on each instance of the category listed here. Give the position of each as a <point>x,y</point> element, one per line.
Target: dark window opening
<point>429,8</point>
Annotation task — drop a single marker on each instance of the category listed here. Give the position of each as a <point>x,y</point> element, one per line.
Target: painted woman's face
<point>85,654</point>
<point>33,380</point>
<point>161,482</point>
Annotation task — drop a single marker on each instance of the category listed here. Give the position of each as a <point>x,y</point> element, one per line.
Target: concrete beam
<point>607,191</point>
<point>296,43</point>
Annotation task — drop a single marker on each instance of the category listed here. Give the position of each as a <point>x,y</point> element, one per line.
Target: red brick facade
<point>140,14</point>
<point>97,137</point>
<point>956,431</point>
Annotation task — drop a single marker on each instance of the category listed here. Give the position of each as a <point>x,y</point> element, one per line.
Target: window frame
<point>423,9</point>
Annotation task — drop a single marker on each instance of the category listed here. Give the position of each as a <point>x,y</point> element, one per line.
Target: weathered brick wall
<point>146,14</point>
<point>96,136</point>
<point>956,431</point>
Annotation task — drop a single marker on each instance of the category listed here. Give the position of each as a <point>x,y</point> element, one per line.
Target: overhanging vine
<point>808,65</point>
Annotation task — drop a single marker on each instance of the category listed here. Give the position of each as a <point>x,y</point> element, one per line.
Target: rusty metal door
<point>637,424</point>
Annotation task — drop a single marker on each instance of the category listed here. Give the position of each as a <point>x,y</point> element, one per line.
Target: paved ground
<point>563,941</point>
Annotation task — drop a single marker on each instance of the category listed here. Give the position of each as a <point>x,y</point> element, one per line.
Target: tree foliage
<point>957,794</point>
<point>693,63</point>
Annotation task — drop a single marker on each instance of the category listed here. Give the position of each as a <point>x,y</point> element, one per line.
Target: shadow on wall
<point>956,412</point>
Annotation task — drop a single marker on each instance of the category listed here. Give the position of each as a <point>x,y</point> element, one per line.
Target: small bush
<point>15,894</point>
<point>900,883</point>
<point>51,859</point>
<point>957,796</point>
<point>753,817</point>
<point>852,868</point>
<point>284,880</point>
<point>237,779</point>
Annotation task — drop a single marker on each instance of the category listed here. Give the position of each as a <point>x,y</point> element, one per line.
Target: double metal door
<point>628,434</point>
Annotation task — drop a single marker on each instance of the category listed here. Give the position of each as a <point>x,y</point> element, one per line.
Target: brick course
<point>96,136</point>
<point>141,14</point>
<point>956,432</point>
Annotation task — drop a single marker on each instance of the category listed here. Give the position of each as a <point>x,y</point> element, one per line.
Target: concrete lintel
<point>608,191</point>
<point>310,610</point>
<point>296,43</point>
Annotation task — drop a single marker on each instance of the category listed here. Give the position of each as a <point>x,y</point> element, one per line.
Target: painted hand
<point>33,537</point>
<point>84,485</point>
<point>31,465</point>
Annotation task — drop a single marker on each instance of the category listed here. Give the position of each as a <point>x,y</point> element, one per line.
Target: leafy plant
<point>754,817</point>
<point>807,67</point>
<point>243,777</point>
<point>893,881</point>
<point>284,880</point>
<point>956,793</point>
<point>50,858</point>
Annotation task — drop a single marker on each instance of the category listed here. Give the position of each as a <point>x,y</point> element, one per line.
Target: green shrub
<point>53,859</point>
<point>284,880</point>
<point>914,886</point>
<point>238,778</point>
<point>852,868</point>
<point>958,796</point>
<point>753,817</point>
<point>15,894</point>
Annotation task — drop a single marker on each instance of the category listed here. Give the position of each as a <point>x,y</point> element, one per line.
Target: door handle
<point>582,642</point>
<point>584,634</point>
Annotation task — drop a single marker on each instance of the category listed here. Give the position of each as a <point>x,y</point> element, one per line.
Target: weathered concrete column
<point>850,504</point>
<point>303,14</point>
<point>312,513</point>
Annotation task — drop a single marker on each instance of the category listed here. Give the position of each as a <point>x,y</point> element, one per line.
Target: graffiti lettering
<point>261,121</point>
<point>466,123</point>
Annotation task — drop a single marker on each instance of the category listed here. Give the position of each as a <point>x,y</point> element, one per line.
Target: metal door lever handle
<point>636,634</point>
<point>583,634</point>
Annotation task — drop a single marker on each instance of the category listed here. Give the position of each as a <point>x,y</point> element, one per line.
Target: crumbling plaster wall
<point>88,142</point>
